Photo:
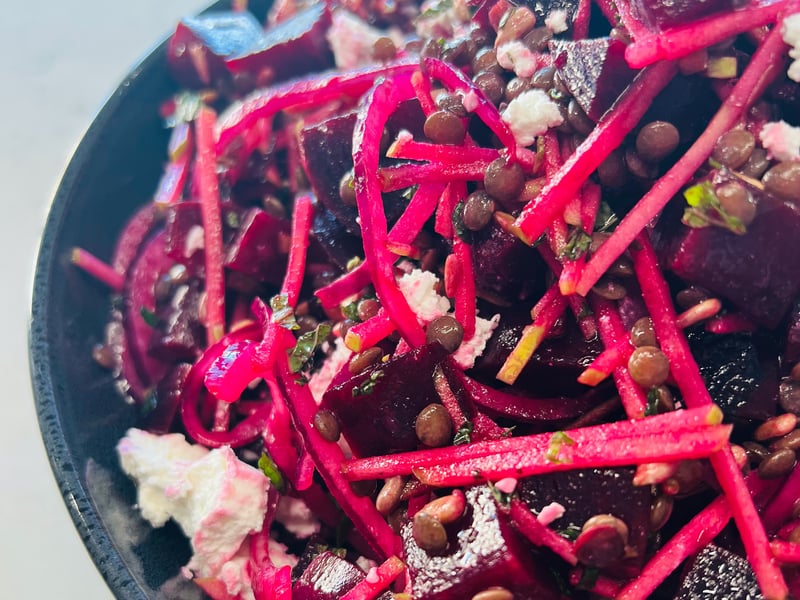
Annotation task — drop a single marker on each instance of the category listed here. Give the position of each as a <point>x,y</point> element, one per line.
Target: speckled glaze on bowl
<point>81,413</point>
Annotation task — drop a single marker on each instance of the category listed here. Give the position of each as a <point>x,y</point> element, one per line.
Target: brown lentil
<point>538,38</point>
<point>443,127</point>
<point>364,488</point>
<point>389,496</point>
<point>739,455</point>
<point>664,400</point>
<point>431,48</point>
<point>502,181</point>
<point>696,62</point>
<point>737,201</point>
<point>791,440</point>
<point>578,119</point>
<point>622,267</point>
<point>543,78</point>
<point>447,331</point>
<point>429,533</point>
<point>367,308</point>
<point>447,508</point>
<point>789,396</point>
<point>273,206</point>
<point>660,511</point>
<point>657,140</point>
<point>734,148</point>
<point>478,210</point>
<point>755,452</point>
<point>491,84</point>
<point>757,164</point>
<point>494,593</point>
<point>347,189</point>
<point>486,60</point>
<point>327,425</point>
<point>643,333</point>
<point>433,426</point>
<point>612,172</point>
<point>602,541</point>
<point>518,21</point>
<point>452,103</point>
<point>364,360</point>
<point>610,289</point>
<point>638,167</point>
<point>515,87</point>
<point>458,52</point>
<point>306,323</point>
<point>648,366</point>
<point>777,464</point>
<point>689,476</point>
<point>690,296</point>
<point>775,427</point>
<point>384,50</point>
<point>783,180</point>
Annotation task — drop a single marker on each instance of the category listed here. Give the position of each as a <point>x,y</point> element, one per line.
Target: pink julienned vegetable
<point>486,286</point>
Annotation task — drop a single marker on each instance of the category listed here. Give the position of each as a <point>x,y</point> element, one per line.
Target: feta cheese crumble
<point>556,21</point>
<point>351,39</point>
<point>516,56</point>
<point>419,289</point>
<point>550,513</point>
<point>531,114</point>
<point>791,35</point>
<point>781,140</point>
<point>215,498</point>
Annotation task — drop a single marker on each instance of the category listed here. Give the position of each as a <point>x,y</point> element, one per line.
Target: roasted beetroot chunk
<point>718,573</point>
<point>594,70</point>
<point>757,271</point>
<point>381,421</point>
<point>180,334</point>
<point>741,377</point>
<point>483,551</point>
<point>254,251</point>
<point>660,14</point>
<point>553,369</point>
<point>328,577</point>
<point>587,493</point>
<point>505,267</point>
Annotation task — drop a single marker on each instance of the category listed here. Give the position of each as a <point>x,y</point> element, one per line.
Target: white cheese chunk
<point>530,114</point>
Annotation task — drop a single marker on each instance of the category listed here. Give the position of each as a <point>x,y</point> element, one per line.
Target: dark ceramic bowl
<point>81,413</point>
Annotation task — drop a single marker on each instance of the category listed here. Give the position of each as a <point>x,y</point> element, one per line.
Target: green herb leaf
<point>705,210</point>
<point>464,434</point>
<point>652,402</point>
<point>270,469</point>
<point>571,532</point>
<point>588,578</point>
<point>578,244</point>
<point>606,220</point>
<point>282,313</point>
<point>458,223</point>
<point>187,105</point>
<point>558,439</point>
<point>350,311</point>
<point>302,354</point>
<point>366,388</point>
<point>149,317</point>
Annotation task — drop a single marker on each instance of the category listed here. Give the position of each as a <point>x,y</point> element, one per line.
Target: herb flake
<point>366,388</point>
<point>705,210</point>
<point>578,244</point>
<point>301,356</point>
<point>557,440</point>
<point>282,312</point>
<point>270,469</point>
<point>464,434</point>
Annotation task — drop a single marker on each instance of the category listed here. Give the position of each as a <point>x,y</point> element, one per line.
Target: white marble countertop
<point>58,62</point>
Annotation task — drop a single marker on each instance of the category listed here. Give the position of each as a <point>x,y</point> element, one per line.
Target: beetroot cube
<point>483,551</point>
<point>328,577</point>
<point>758,272</point>
<point>254,251</point>
<point>377,409</point>
<point>718,573</point>
<point>661,14</point>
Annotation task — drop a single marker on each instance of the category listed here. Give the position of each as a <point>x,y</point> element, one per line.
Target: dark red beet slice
<point>328,577</point>
<point>756,271</point>
<point>504,266</point>
<point>254,250</point>
<point>184,235</point>
<point>586,493</point>
<point>331,237</point>
<point>197,50</point>
<point>382,421</point>
<point>159,416</point>
<point>741,376</point>
<point>133,236</point>
<point>791,354</point>
<point>139,294</point>
<point>660,14</point>
<point>290,48</point>
<point>553,369</point>
<point>594,70</point>
<point>718,573</point>
<point>483,551</point>
<point>180,335</point>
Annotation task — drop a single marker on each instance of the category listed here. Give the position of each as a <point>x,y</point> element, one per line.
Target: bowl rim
<point>85,517</point>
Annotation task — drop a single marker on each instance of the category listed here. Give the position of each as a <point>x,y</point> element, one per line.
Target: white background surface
<point>58,62</point>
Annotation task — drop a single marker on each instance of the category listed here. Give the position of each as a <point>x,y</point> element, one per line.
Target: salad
<point>482,300</point>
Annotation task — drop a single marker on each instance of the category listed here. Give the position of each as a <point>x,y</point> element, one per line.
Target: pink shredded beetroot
<point>609,133</point>
<point>407,148</point>
<point>206,173</point>
<point>402,176</point>
<point>377,580</point>
<point>97,269</point>
<point>379,103</point>
<point>687,376</point>
<point>419,210</point>
<point>465,298</point>
<point>683,40</point>
<point>349,284</point>
<point>541,535</point>
<point>730,323</point>
<point>370,332</point>
<point>779,510</point>
<point>295,271</point>
<point>765,65</point>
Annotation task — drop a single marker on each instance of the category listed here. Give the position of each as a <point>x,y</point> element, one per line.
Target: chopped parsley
<point>302,355</point>
<point>464,434</point>
<point>366,388</point>
<point>557,440</point>
<point>578,244</point>
<point>705,209</point>
<point>270,469</point>
<point>282,313</point>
